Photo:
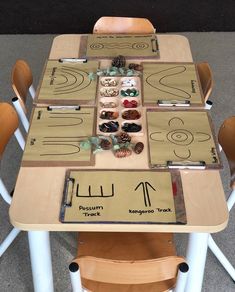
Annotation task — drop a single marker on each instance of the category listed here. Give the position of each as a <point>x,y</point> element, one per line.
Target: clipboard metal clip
<point>68,195</point>
<point>181,103</point>
<point>63,107</point>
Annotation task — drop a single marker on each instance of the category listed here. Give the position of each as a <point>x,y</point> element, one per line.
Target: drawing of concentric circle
<point>140,46</point>
<point>69,80</point>
<point>159,81</point>
<point>96,46</point>
<point>180,137</point>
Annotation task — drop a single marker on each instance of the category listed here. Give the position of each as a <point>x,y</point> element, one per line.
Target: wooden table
<point>38,192</point>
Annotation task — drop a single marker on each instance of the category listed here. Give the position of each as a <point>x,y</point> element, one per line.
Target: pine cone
<point>119,61</point>
<point>105,144</point>
<point>123,138</point>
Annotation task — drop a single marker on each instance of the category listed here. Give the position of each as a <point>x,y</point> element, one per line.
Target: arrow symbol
<point>145,187</point>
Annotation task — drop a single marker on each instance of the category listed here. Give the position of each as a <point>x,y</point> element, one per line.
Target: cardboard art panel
<point>122,197</point>
<point>55,134</point>
<point>184,137</point>
<point>110,46</point>
<point>68,83</point>
<point>171,83</point>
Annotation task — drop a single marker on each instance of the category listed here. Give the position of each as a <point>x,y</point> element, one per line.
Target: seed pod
<point>139,147</point>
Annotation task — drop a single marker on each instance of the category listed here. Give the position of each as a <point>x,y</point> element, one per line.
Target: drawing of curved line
<point>68,125</point>
<point>180,91</point>
<point>175,118</point>
<point>55,144</point>
<point>153,139</point>
<point>186,157</point>
<point>79,86</point>
<point>71,83</point>
<point>66,80</point>
<point>205,134</point>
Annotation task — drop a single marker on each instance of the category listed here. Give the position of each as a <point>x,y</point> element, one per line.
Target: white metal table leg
<point>196,259</point>
<point>41,264</point>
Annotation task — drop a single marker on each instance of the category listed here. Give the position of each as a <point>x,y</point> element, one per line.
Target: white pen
<point>72,60</point>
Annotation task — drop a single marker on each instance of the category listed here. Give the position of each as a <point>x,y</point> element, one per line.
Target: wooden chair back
<point>9,122</point>
<point>112,261</point>
<point>226,139</point>
<point>22,79</point>
<point>206,79</point>
<point>123,25</point>
<point>129,272</point>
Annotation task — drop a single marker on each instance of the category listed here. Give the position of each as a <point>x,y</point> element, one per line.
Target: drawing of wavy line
<point>111,46</point>
<point>63,144</point>
<point>66,125</point>
<point>167,88</point>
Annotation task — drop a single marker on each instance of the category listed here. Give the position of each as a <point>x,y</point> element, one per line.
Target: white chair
<point>22,84</point>
<point>119,25</point>
<point>9,123</point>
<point>118,262</point>
<point>226,139</point>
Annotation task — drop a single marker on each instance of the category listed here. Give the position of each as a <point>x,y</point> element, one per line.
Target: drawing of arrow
<point>145,185</point>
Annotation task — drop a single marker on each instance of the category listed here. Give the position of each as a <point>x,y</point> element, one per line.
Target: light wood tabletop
<point>38,192</point>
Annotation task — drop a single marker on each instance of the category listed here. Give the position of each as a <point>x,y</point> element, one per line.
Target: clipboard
<point>147,197</point>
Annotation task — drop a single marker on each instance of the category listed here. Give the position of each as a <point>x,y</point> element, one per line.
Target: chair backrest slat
<point>9,122</point>
<point>128,272</point>
<point>21,79</point>
<point>122,25</point>
<point>226,139</point>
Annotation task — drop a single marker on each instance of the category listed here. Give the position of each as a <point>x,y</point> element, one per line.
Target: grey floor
<point>15,272</point>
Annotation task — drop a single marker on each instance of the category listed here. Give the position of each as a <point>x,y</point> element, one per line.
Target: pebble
<point>139,147</point>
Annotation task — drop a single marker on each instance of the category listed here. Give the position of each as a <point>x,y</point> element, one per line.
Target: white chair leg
<point>75,277</point>
<point>32,91</point>
<point>208,104</point>
<point>20,138</point>
<point>181,278</point>
<point>8,240</point>
<point>231,200</point>
<point>21,113</point>
<point>4,193</point>
<point>221,257</point>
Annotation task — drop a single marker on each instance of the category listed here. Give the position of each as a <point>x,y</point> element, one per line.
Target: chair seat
<point>126,246</point>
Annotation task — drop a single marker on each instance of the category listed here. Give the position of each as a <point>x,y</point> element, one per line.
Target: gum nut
<point>139,147</point>
<point>115,115</point>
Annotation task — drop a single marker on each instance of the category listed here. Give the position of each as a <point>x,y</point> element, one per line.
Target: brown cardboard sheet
<point>181,136</point>
<point>68,83</point>
<point>110,46</point>
<point>171,82</point>
<point>54,137</point>
<point>123,197</point>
